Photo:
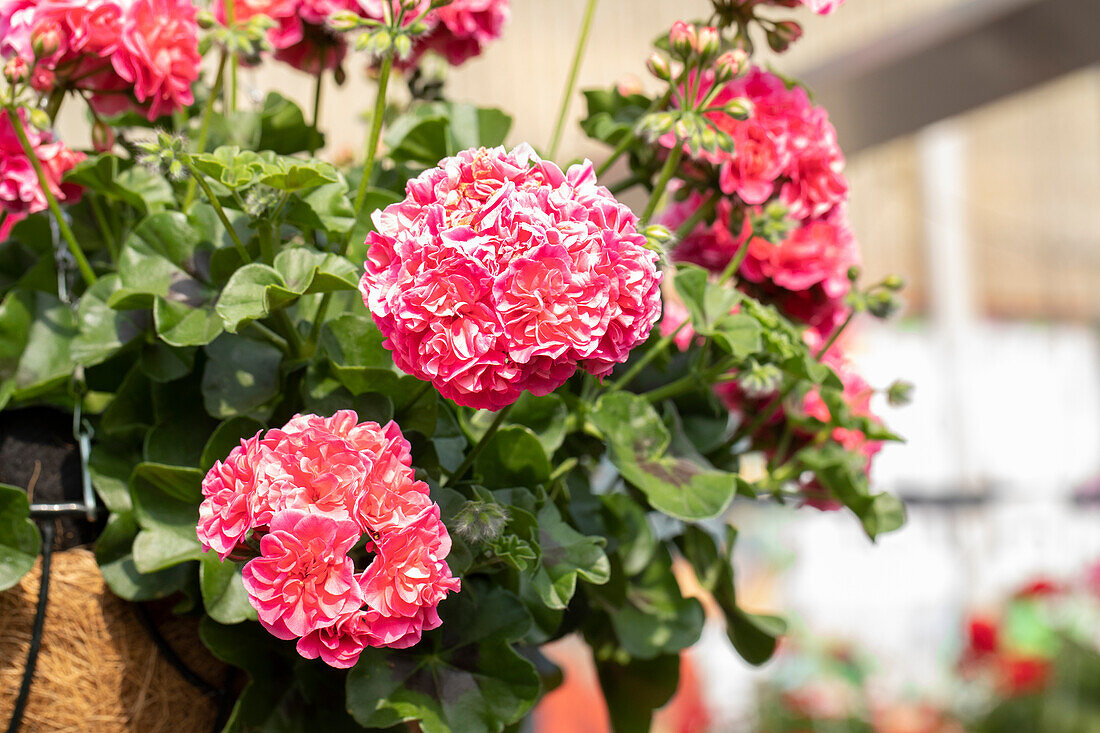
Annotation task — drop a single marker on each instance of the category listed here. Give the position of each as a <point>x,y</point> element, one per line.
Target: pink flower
<point>805,275</point>
<point>819,253</point>
<point>303,579</point>
<point>310,492</point>
<point>230,509</point>
<point>675,316</point>
<point>499,273</point>
<point>823,7</point>
<point>786,146</point>
<point>857,395</point>
<point>410,574</point>
<point>158,53</point>
<point>457,31</point>
<point>20,192</point>
<point>341,644</point>
<point>300,36</point>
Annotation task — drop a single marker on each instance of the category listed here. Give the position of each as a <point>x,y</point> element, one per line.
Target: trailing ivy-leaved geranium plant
<point>390,428</point>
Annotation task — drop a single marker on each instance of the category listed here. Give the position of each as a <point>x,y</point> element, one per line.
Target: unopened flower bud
<point>740,108</point>
<point>205,19</point>
<point>682,38</point>
<point>659,67</point>
<point>708,41</point>
<point>480,521</point>
<point>854,272</point>
<point>894,282</point>
<point>402,46</point>
<point>657,236</point>
<point>103,137</point>
<point>46,39</point>
<point>900,393</point>
<point>730,64</point>
<point>16,70</point>
<point>760,380</point>
<point>418,28</point>
<point>783,35</point>
<point>43,79</point>
<point>345,20</point>
<point>884,303</point>
<point>39,119</point>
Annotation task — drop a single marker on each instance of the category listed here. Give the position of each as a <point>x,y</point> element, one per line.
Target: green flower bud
<point>659,67</point>
<point>480,521</point>
<point>900,393</point>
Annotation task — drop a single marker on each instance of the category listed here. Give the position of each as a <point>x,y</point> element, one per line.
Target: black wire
<point>169,653</point>
<point>36,631</point>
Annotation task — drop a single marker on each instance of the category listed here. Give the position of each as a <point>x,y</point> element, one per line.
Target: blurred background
<point>972,130</point>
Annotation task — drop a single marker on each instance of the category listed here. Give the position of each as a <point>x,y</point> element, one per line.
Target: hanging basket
<point>98,668</point>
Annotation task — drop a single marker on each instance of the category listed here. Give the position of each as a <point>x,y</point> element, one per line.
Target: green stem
<point>317,91</point>
<point>632,135</point>
<point>623,185</point>
<point>658,348</point>
<point>53,103</point>
<point>571,83</point>
<point>701,213</point>
<point>275,339</point>
<point>289,331</point>
<point>267,241</point>
<point>835,335</point>
<point>375,131</point>
<point>204,127</point>
<point>671,164</point>
<point>231,106</point>
<point>197,176</point>
<point>86,270</point>
<point>104,229</point>
<point>688,382</point>
<point>735,263</point>
<point>318,319</point>
<point>566,466</point>
<point>478,446</point>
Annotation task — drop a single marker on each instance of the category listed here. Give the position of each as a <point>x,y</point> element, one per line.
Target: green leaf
<point>325,208</point>
<point>512,457</point>
<point>252,292</point>
<point>163,363</point>
<point>638,441</point>
<point>179,441</point>
<point>110,474</point>
<point>20,541</point>
<point>283,128</point>
<point>223,592</point>
<point>165,256</point>
<point>566,555</point>
<point>634,690</point>
<point>132,408</point>
<point>104,330</point>
<point>137,186</point>
<point>544,416</point>
<point>469,680</point>
<point>227,436</point>
<point>635,542</point>
<point>307,271</point>
<point>430,132</point>
<point>114,553</point>
<point>178,324</point>
<point>241,377</point>
<point>652,617</point>
<point>611,115</point>
<point>754,636</point>
<point>36,333</point>
<point>352,340</point>
<point>166,506</point>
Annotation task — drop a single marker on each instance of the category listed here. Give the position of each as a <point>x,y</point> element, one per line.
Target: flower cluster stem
<point>479,446</point>
<point>82,263</point>
<point>669,169</point>
<point>375,132</point>
<point>217,206</point>
<point>571,81</point>
<point>204,127</point>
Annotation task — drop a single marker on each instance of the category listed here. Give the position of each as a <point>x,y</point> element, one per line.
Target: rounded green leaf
<point>241,377</point>
<point>20,541</point>
<point>512,457</point>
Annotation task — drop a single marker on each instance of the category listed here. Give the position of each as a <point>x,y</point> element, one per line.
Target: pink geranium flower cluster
<point>457,31</point>
<point>784,153</point>
<point>300,36</point>
<point>141,54</point>
<point>821,7</point>
<point>499,273</point>
<point>307,496</point>
<point>20,192</point>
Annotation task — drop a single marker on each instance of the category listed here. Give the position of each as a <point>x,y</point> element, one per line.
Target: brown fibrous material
<point>98,670</point>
